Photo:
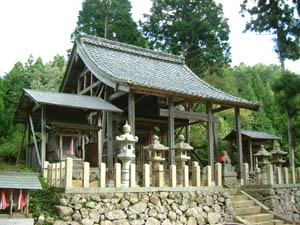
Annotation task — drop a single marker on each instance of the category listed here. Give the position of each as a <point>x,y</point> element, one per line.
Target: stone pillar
<point>69,173</point>
<point>270,176</point>
<point>45,170</point>
<point>86,175</point>
<point>279,175</point>
<point>102,177</point>
<point>195,175</point>
<point>173,175</point>
<point>209,177</point>
<point>218,174</point>
<point>146,177</point>
<point>298,175</point>
<point>258,175</point>
<point>293,175</point>
<point>57,175</point>
<point>286,175</point>
<point>132,175</point>
<point>185,176</point>
<point>53,175</point>
<point>62,173</point>
<point>246,174</point>
<point>161,176</point>
<point>49,174</point>
<point>117,175</point>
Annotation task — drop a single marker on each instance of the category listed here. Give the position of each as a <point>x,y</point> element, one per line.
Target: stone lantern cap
<point>262,152</point>
<point>127,137</point>
<point>278,151</point>
<point>156,146</point>
<point>182,146</point>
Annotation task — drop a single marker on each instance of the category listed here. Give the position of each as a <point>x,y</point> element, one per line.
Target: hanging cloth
<point>71,146</point>
<point>21,200</point>
<point>3,203</point>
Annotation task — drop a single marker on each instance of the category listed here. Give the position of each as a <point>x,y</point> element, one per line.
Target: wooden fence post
<point>270,177</point>
<point>286,175</point>
<point>185,175</point>
<point>146,175</point>
<point>209,181</point>
<point>173,175</point>
<point>53,175</point>
<point>218,177</point>
<point>57,175</point>
<point>246,174</point>
<point>86,175</point>
<point>132,175</point>
<point>62,174</point>
<point>69,173</point>
<point>117,175</point>
<point>102,178</point>
<point>45,170</point>
<point>293,175</point>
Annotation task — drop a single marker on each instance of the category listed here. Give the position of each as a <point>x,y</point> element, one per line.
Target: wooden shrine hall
<point>148,88</point>
<point>251,142</point>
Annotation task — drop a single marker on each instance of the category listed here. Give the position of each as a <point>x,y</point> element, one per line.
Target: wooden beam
<point>210,141</point>
<point>43,133</point>
<point>90,87</point>
<point>22,143</point>
<point>171,130</point>
<point>109,127</point>
<point>136,102</point>
<point>35,107</point>
<point>116,95</point>
<point>158,121</point>
<point>84,72</point>
<point>188,115</point>
<point>239,141</point>
<point>34,140</point>
<point>131,111</point>
<point>222,108</point>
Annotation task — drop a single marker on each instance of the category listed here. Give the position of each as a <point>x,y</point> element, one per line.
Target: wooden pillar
<point>251,155</point>
<point>210,142</point>
<point>109,143</point>
<point>131,111</point>
<point>239,141</point>
<point>43,134</point>
<point>61,146</point>
<point>216,140</point>
<point>171,130</point>
<point>100,145</point>
<point>34,140</point>
<point>188,128</point>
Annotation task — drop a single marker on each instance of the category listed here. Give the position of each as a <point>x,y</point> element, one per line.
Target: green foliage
<point>279,18</point>
<point>111,18</point>
<point>197,29</point>
<point>43,201</point>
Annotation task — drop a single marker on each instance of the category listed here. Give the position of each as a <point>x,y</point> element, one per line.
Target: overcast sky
<point>43,28</point>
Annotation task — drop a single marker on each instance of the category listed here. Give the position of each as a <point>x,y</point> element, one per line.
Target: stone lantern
<point>156,157</point>
<point>126,141</point>
<point>181,156</point>
<point>263,161</point>
<point>277,154</point>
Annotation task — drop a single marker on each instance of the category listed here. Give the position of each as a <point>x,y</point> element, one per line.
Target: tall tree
<point>196,29</point>
<point>110,19</point>
<point>277,17</point>
<point>287,93</point>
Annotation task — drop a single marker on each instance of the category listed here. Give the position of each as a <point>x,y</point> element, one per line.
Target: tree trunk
<point>105,26</point>
<point>291,141</point>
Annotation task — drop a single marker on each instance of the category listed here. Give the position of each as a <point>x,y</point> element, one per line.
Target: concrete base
<point>16,219</point>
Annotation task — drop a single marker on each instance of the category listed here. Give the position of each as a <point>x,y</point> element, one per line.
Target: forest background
<point>199,32</point>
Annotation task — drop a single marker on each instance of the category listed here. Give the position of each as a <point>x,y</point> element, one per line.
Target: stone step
<point>278,222</point>
<point>232,191</point>
<point>242,204</point>
<point>264,223</point>
<point>248,210</point>
<point>257,218</point>
<point>235,198</point>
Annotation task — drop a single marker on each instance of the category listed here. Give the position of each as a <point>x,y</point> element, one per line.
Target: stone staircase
<point>249,211</point>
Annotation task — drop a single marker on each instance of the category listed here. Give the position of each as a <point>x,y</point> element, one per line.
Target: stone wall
<point>283,201</point>
<point>201,207</point>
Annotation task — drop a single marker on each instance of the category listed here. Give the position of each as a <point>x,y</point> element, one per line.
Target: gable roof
<point>67,100</point>
<point>253,135</point>
<point>125,65</point>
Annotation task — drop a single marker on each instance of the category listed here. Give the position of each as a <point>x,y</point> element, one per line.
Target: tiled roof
<point>253,135</point>
<point>129,64</point>
<point>19,181</point>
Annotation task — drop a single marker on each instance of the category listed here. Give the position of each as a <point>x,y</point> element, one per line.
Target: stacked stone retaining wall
<point>284,201</point>
<point>199,207</point>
